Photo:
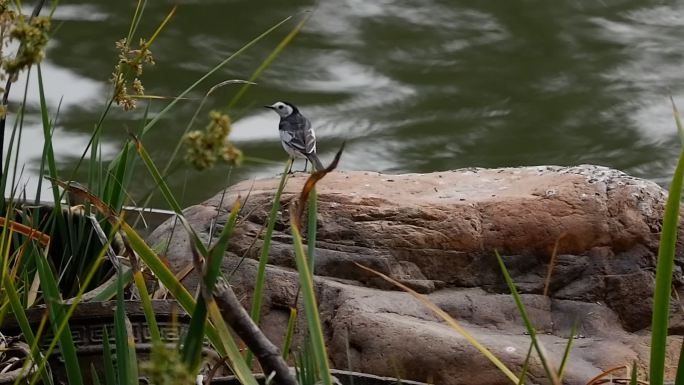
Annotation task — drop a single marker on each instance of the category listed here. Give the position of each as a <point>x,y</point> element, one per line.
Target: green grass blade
<point>18,310</point>
<point>121,337</point>
<point>109,291</point>
<point>23,322</point>
<point>57,316</point>
<point>132,355</point>
<point>633,378</point>
<point>224,344</point>
<point>310,306</point>
<point>192,347</point>
<point>95,377</point>
<point>526,363</point>
<point>663,280</point>
<point>566,353</point>
<point>191,352</point>
<point>255,311</point>
<point>679,377</point>
<point>166,277</point>
<point>108,363</point>
<point>4,178</point>
<point>161,26</point>
<point>287,341</point>
<point>47,134</point>
<point>94,167</point>
<point>126,361</point>
<point>270,58</point>
<point>218,250</point>
<point>166,109</point>
<point>158,179</point>
<point>114,185</point>
<point>237,363</point>
<point>135,20</point>
<point>305,365</point>
<point>551,374</point>
<point>62,328</point>
<point>179,144</point>
<point>150,317</point>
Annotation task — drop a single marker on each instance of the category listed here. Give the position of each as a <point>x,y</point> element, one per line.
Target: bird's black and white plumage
<point>296,135</point>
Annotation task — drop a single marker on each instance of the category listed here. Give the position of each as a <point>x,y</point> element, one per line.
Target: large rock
<point>437,233</point>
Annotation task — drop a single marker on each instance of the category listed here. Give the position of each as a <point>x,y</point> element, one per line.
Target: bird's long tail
<point>313,158</point>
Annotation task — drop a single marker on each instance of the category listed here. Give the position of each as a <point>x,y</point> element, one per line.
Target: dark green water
<point>413,86</point>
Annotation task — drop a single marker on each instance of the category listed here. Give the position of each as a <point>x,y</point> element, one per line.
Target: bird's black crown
<point>294,108</point>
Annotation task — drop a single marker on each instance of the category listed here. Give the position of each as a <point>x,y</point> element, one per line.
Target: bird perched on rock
<point>296,135</point>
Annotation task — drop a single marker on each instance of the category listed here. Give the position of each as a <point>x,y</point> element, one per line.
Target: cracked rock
<point>437,234</point>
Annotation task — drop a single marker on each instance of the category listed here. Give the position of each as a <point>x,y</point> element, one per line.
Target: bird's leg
<point>289,171</point>
<point>306,164</point>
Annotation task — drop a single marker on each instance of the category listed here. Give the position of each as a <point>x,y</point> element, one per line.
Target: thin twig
<point>239,320</point>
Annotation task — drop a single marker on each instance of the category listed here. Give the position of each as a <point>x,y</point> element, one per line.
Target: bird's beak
<point>271,107</point>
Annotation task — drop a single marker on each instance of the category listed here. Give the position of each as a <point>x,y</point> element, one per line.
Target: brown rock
<point>437,233</point>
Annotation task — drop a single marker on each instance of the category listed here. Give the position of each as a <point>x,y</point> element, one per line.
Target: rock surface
<point>437,233</point>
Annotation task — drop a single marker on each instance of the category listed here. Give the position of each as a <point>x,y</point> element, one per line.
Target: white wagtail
<point>296,135</point>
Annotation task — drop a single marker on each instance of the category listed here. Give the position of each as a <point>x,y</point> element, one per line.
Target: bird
<point>296,135</point>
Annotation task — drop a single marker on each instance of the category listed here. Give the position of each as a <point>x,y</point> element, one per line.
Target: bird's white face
<point>282,109</point>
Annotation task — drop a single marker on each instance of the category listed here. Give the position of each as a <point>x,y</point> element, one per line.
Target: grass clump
<point>31,277</point>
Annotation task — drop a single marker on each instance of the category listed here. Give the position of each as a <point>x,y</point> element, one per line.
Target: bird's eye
<point>280,107</point>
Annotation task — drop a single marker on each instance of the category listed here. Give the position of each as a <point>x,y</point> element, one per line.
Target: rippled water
<point>413,86</point>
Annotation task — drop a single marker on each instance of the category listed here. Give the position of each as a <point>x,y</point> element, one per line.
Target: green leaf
<point>270,58</point>
<point>633,379</point>
<point>223,343</point>
<point>57,316</point>
<point>528,324</point>
<point>663,280</point>
<point>108,362</point>
<point>237,53</point>
<point>93,373</point>
<point>237,363</point>
<point>158,179</point>
<point>287,341</point>
<point>679,377</point>
<point>108,292</point>
<point>255,311</point>
<point>150,317</point>
<point>526,363</point>
<point>192,347</point>
<point>310,306</point>
<point>121,337</point>
<point>566,353</point>
<point>47,134</point>
<point>23,322</point>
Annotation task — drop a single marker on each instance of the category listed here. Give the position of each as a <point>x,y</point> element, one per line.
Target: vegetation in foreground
<point>55,258</point>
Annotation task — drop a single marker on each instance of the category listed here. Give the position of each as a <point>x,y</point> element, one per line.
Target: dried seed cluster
<point>204,148</point>
<point>30,35</point>
<point>130,65</point>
